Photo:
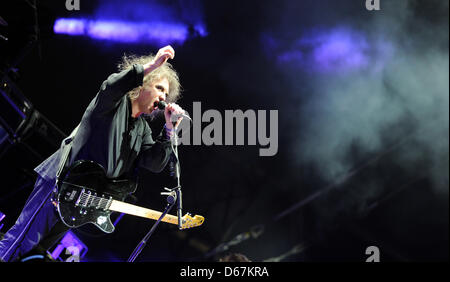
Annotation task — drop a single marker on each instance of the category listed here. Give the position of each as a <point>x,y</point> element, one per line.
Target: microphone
<point>162,105</point>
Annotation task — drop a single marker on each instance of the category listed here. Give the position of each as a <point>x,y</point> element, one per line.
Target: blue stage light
<point>138,22</point>
<point>129,32</point>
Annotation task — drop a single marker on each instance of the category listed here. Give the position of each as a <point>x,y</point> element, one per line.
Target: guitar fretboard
<point>142,212</point>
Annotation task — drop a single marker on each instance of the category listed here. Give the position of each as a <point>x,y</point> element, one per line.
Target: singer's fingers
<point>163,55</point>
<point>178,121</point>
<point>171,51</point>
<point>167,50</point>
<point>175,109</point>
<point>173,113</point>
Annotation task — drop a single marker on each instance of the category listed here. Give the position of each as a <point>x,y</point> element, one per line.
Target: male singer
<point>113,133</point>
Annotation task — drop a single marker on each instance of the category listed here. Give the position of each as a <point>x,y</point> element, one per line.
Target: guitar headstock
<point>189,221</point>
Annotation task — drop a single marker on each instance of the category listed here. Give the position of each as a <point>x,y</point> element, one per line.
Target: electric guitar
<point>86,195</point>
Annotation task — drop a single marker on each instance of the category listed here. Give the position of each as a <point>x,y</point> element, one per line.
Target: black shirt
<point>110,136</point>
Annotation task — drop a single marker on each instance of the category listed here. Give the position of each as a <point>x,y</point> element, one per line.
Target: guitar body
<point>85,194</point>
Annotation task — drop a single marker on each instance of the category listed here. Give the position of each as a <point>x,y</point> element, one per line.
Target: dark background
<point>329,188</point>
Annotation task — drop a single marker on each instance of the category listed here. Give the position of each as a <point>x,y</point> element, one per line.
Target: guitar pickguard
<point>85,195</point>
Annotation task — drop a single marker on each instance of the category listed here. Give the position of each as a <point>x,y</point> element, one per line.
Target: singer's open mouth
<point>154,106</point>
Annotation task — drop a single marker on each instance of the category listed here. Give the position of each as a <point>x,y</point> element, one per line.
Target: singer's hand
<point>161,57</point>
<point>173,113</point>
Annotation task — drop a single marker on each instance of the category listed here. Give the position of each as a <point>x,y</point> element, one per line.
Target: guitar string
<point>94,198</point>
<point>96,202</point>
<point>85,198</point>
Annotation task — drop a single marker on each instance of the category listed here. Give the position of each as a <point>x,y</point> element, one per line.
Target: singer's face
<point>152,93</point>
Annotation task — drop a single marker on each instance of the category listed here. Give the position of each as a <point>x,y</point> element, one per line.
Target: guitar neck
<point>123,207</point>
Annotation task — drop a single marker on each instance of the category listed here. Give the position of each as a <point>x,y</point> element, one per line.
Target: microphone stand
<point>173,196</point>
<point>171,199</point>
